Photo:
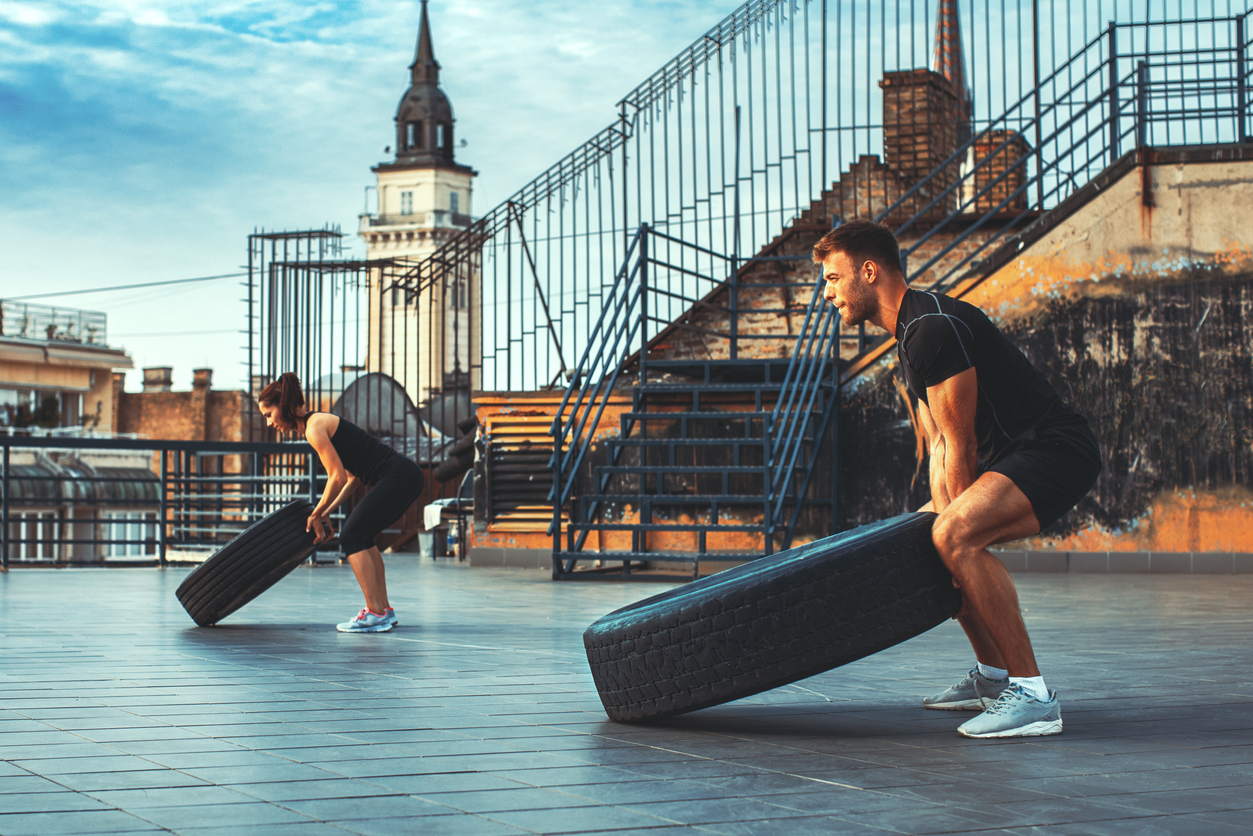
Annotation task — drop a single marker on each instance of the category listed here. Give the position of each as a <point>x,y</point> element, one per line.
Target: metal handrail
<point>194,506</point>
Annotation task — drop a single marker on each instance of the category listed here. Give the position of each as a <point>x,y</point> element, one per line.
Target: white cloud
<point>25,14</point>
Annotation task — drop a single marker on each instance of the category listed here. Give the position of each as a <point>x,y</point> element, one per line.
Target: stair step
<point>676,527</point>
<point>698,386</point>
<point>678,468</point>
<point>683,442</point>
<point>663,416</point>
<point>683,557</point>
<point>681,499</point>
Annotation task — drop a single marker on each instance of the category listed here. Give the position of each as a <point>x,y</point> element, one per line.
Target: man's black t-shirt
<point>938,337</point>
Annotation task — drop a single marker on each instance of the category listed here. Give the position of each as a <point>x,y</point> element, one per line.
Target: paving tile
<point>203,795</point>
<point>306,828</point>
<point>375,807</point>
<point>148,779</point>
<point>488,801</point>
<point>714,811</point>
<point>246,815</point>
<point>454,825</point>
<point>89,821</point>
<point>576,820</point>
<point>69,766</point>
<point>284,791</point>
<point>48,802</point>
<point>277,770</point>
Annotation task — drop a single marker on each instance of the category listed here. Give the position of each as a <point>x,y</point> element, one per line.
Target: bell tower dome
<point>424,119</point>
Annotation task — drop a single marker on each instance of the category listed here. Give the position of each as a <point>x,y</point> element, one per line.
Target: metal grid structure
<point>46,322</point>
<point>393,359</point>
<point>191,497</point>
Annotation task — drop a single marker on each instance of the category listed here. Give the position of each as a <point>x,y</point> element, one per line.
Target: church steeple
<point>948,60</point>
<point>424,69</point>
<point>424,120</point>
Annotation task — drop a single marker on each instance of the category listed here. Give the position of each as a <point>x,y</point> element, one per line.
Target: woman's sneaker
<point>1016,714</point>
<point>974,692</point>
<point>369,622</point>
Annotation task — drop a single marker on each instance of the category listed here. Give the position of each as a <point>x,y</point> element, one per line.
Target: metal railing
<point>50,323</point>
<point>1134,86</point>
<point>809,387</point>
<point>667,285</point>
<point>729,141</point>
<point>66,501</point>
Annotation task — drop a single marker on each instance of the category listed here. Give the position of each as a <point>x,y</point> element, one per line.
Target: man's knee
<point>951,537</point>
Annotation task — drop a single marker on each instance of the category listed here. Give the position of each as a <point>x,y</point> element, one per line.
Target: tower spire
<point>948,60</point>
<point>424,69</point>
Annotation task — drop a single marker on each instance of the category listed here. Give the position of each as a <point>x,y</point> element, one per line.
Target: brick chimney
<point>201,381</point>
<point>923,123</point>
<point>159,379</point>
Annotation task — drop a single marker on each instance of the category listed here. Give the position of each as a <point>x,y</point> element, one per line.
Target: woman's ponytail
<point>285,392</point>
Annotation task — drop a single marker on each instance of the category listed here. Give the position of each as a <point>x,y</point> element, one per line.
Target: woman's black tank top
<point>362,455</point>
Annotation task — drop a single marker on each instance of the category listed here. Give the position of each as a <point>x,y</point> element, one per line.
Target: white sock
<point>991,672</point>
<point>1033,685</point>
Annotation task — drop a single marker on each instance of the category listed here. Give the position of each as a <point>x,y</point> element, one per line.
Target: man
<point>1008,458</point>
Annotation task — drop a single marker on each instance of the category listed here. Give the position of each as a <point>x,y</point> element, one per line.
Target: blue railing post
<point>162,505</point>
<point>644,231</point>
<point>1241,128</point>
<point>1142,104</point>
<point>1113,92</point>
<point>558,432</point>
<point>4,512</point>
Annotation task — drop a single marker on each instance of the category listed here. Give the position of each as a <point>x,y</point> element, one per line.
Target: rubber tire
<point>256,559</point>
<point>772,621</point>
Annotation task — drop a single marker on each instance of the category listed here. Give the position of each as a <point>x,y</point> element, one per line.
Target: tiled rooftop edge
<point>1157,563</point>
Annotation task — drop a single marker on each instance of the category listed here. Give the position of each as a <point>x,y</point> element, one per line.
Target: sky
<point>143,141</point>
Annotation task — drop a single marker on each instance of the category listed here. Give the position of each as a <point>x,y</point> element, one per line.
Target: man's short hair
<point>861,240</point>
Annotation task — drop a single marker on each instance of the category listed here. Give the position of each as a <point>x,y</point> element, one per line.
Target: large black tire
<point>770,622</point>
<point>259,557</point>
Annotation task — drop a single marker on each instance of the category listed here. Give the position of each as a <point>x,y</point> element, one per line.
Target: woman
<point>351,456</point>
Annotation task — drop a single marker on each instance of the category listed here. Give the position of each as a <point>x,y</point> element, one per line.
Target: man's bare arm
<point>935,465</point>
<point>952,410</point>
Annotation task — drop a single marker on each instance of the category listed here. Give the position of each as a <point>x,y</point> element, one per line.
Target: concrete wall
<point>1139,308</point>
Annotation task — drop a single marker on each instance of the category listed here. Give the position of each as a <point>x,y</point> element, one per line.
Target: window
<point>459,293</point>
<point>439,136</point>
<point>406,203</point>
<point>139,526</point>
<point>34,535</point>
<point>454,203</point>
<point>413,134</point>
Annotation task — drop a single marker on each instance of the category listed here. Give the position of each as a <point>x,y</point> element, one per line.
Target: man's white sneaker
<point>974,692</point>
<point>1016,714</point>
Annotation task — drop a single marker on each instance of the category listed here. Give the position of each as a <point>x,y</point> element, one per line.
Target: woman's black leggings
<point>382,505</point>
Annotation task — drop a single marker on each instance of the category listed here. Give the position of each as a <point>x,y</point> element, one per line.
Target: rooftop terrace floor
<point>478,716</point>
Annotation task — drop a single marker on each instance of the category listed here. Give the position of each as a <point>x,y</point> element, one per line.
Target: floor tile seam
<point>597,806</point>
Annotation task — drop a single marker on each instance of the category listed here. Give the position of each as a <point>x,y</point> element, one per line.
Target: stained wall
<point>1139,307</point>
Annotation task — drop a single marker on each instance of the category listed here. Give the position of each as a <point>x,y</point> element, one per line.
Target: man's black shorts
<point>1055,469</point>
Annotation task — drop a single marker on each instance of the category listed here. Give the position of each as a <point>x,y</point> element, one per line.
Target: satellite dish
<point>378,404</point>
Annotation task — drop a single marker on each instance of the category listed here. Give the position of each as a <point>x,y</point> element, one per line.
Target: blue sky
<point>143,141</point>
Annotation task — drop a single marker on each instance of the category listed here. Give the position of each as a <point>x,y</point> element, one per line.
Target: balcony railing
<point>52,324</point>
<point>438,217</point>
